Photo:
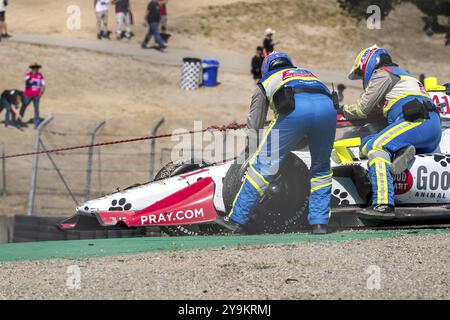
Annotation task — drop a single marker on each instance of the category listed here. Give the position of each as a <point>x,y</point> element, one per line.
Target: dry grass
<point>133,94</point>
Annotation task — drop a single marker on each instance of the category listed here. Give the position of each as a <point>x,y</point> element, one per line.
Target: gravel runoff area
<point>410,267</point>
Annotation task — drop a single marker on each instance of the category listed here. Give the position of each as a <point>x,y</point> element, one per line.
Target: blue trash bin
<point>210,71</point>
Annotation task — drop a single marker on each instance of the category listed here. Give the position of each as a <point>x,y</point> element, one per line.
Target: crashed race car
<point>186,198</point>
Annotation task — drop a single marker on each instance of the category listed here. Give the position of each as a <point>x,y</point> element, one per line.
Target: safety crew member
<point>303,108</point>
<point>413,123</point>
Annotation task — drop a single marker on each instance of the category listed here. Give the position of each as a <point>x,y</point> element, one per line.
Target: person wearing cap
<point>303,108</point>
<point>10,100</point>
<point>34,89</point>
<point>268,44</point>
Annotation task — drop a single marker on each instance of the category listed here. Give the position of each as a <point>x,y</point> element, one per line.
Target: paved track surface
<point>230,62</point>
<point>412,265</point>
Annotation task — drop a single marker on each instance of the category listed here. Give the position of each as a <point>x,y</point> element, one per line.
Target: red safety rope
<point>233,126</point>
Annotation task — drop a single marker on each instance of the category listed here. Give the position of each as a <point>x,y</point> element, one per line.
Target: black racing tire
<point>176,168</point>
<point>232,183</point>
<point>284,207</point>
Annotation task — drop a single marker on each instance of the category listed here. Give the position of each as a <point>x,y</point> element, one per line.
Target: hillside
<point>316,32</point>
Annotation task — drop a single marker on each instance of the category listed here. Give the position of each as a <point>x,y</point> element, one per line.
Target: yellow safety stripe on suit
<point>259,176</point>
<point>380,158</point>
<point>400,97</point>
<point>257,180</point>
<point>376,153</point>
<point>394,132</point>
<point>321,182</point>
<point>381,175</point>
<point>253,183</point>
<point>269,129</point>
<point>287,80</point>
<point>385,183</point>
<point>364,148</point>
<point>295,78</point>
<point>274,82</point>
<point>391,134</point>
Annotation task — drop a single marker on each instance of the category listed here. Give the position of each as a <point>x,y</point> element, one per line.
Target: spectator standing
<point>10,100</point>
<point>123,19</point>
<point>34,89</point>
<point>152,20</point>
<point>163,13</point>
<point>3,26</point>
<point>257,61</point>
<point>268,44</point>
<point>101,13</point>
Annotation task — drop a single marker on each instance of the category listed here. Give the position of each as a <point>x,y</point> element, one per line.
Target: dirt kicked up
<point>348,265</point>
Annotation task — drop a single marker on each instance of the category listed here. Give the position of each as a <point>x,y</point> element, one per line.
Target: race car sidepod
<point>191,205</point>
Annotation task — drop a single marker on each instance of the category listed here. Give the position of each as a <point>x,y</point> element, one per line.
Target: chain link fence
<point>55,183</point>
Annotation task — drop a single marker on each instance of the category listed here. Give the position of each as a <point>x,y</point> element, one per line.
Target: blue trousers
<point>314,117</point>
<point>154,31</point>
<point>424,134</point>
<point>26,102</point>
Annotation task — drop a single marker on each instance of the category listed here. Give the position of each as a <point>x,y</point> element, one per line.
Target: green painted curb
<point>109,247</point>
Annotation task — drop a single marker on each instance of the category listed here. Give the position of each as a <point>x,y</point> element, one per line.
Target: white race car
<point>187,198</point>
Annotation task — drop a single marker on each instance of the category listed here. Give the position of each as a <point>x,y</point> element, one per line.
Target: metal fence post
<point>35,165</point>
<point>99,170</point>
<point>60,175</point>
<point>151,164</point>
<point>87,190</point>
<point>3,170</point>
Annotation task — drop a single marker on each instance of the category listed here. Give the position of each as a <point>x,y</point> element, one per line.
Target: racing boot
<point>402,158</point>
<point>378,212</point>
<point>319,229</point>
<point>228,224</point>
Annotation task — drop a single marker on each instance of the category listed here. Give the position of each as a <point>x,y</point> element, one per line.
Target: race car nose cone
<point>83,209</point>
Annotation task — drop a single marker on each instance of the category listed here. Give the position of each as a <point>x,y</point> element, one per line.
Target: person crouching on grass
<point>11,100</point>
<point>34,89</point>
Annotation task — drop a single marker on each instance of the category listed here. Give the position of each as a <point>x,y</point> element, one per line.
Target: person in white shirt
<point>3,27</point>
<point>101,12</point>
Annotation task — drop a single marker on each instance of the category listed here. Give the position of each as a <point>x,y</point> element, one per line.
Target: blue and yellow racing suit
<point>314,116</point>
<point>391,88</point>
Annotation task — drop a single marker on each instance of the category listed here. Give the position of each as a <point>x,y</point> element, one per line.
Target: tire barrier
<point>30,229</point>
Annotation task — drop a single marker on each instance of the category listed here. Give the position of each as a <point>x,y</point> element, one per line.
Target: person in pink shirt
<point>34,89</point>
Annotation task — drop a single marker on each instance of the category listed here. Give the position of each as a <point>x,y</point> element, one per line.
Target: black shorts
<point>2,16</point>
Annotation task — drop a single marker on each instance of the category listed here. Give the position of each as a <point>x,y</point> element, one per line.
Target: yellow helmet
<point>366,62</point>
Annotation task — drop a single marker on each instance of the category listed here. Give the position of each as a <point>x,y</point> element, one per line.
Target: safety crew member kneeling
<point>414,125</point>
